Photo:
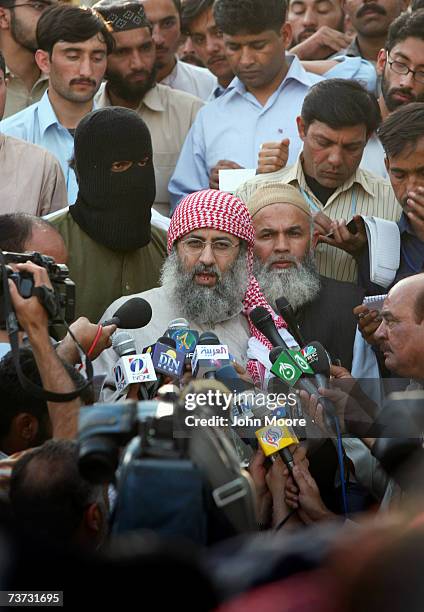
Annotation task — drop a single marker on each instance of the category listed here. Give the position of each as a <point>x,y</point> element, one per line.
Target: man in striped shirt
<point>337,118</point>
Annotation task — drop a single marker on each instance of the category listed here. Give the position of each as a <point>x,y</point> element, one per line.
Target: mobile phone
<point>351,226</point>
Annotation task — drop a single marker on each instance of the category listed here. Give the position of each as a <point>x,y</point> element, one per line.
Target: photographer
<point>33,319</point>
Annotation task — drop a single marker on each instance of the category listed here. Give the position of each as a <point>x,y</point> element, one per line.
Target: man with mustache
<point>207,277</point>
<point>401,68</point>
<point>371,20</point>
<point>73,46</point>
<point>131,82</point>
<point>199,22</point>
<point>284,265</point>
<point>18,21</point>
<point>336,121</point>
<point>164,15</point>
<point>318,28</point>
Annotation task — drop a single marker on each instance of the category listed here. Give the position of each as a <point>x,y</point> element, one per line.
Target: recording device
<point>185,338</point>
<point>166,358</point>
<point>351,226</point>
<point>133,314</point>
<point>264,323</point>
<point>286,311</point>
<point>209,356</point>
<point>183,485</point>
<point>59,304</point>
<point>131,368</point>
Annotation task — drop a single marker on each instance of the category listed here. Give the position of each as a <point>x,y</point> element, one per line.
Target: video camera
<point>168,480</point>
<point>62,304</point>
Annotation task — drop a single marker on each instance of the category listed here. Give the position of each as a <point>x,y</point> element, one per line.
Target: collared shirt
<point>411,259</point>
<point>168,114</point>
<point>362,194</point>
<point>101,274</point>
<point>373,157</point>
<point>39,124</point>
<point>18,97</point>
<point>31,179</point>
<point>194,80</point>
<point>235,125</point>
<point>353,49</point>
<point>356,68</point>
<point>234,331</point>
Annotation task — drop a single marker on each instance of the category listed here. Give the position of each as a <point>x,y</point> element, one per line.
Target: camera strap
<point>12,327</point>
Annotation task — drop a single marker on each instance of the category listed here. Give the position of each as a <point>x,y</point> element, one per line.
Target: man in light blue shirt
<point>260,105</point>
<point>73,45</point>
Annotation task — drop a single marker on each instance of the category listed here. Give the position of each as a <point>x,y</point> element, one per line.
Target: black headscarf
<point>114,208</point>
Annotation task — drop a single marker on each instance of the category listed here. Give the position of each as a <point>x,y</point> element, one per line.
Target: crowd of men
<point>251,173</point>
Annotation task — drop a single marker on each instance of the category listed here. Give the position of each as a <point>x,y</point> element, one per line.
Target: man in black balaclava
<point>113,250</point>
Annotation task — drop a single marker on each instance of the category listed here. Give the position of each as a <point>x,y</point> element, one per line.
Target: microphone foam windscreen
<point>135,313</point>
<point>208,338</point>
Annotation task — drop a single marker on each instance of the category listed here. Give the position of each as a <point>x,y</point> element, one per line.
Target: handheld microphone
<point>264,323</point>
<point>319,360</point>
<point>209,356</point>
<point>166,358</point>
<point>131,368</point>
<point>133,314</point>
<point>286,311</point>
<point>185,338</point>
<point>277,439</point>
<point>287,366</point>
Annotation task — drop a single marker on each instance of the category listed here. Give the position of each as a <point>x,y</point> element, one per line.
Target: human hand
<point>324,42</point>
<point>31,314</point>
<point>221,165</point>
<point>273,156</point>
<point>342,238</point>
<point>368,323</point>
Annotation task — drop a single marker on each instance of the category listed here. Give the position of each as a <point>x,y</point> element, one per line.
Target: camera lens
<point>98,459</point>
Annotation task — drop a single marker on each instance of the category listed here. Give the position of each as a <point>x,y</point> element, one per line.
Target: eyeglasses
<point>400,68</point>
<point>38,5</point>
<point>220,247</point>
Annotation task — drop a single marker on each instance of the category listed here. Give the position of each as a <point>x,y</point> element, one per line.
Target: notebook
<point>384,249</point>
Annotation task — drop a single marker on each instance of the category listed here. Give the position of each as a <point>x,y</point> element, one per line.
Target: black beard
<point>130,92</point>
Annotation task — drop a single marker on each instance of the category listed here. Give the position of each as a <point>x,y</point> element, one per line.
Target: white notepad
<point>384,249</point>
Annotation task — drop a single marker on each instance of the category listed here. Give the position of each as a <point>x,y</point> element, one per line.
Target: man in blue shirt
<point>73,46</point>
<point>260,105</point>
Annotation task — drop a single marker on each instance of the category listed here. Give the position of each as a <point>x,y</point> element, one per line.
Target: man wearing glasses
<point>401,68</point>
<point>18,22</point>
<point>207,278</point>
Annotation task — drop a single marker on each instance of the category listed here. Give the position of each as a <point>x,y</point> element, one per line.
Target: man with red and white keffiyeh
<point>207,279</point>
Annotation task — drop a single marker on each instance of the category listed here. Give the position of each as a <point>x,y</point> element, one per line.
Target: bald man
<point>284,265</point>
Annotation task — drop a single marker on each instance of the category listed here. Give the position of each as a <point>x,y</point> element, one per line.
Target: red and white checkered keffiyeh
<point>222,211</point>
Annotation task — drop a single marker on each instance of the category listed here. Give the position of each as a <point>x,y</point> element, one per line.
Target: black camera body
<point>63,287</point>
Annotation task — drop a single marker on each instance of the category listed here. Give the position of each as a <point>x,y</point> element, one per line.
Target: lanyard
<point>316,209</point>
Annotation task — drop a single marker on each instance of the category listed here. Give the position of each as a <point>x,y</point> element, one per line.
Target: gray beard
<point>299,284</point>
<point>205,305</point>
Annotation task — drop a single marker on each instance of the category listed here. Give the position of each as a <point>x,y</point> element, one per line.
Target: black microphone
<point>208,337</point>
<point>286,311</point>
<point>133,314</point>
<point>319,360</point>
<point>264,323</point>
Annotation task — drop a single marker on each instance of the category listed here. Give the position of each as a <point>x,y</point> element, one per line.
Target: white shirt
<point>194,80</point>
<point>373,157</point>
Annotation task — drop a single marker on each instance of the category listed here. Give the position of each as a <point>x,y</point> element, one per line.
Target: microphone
<point>288,369</point>
<point>166,358</point>
<point>277,439</point>
<point>185,338</point>
<point>264,323</point>
<point>133,314</point>
<point>131,367</point>
<point>286,311</point>
<point>209,356</point>
<point>319,360</point>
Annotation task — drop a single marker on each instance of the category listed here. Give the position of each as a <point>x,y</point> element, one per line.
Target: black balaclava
<point>114,208</point>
